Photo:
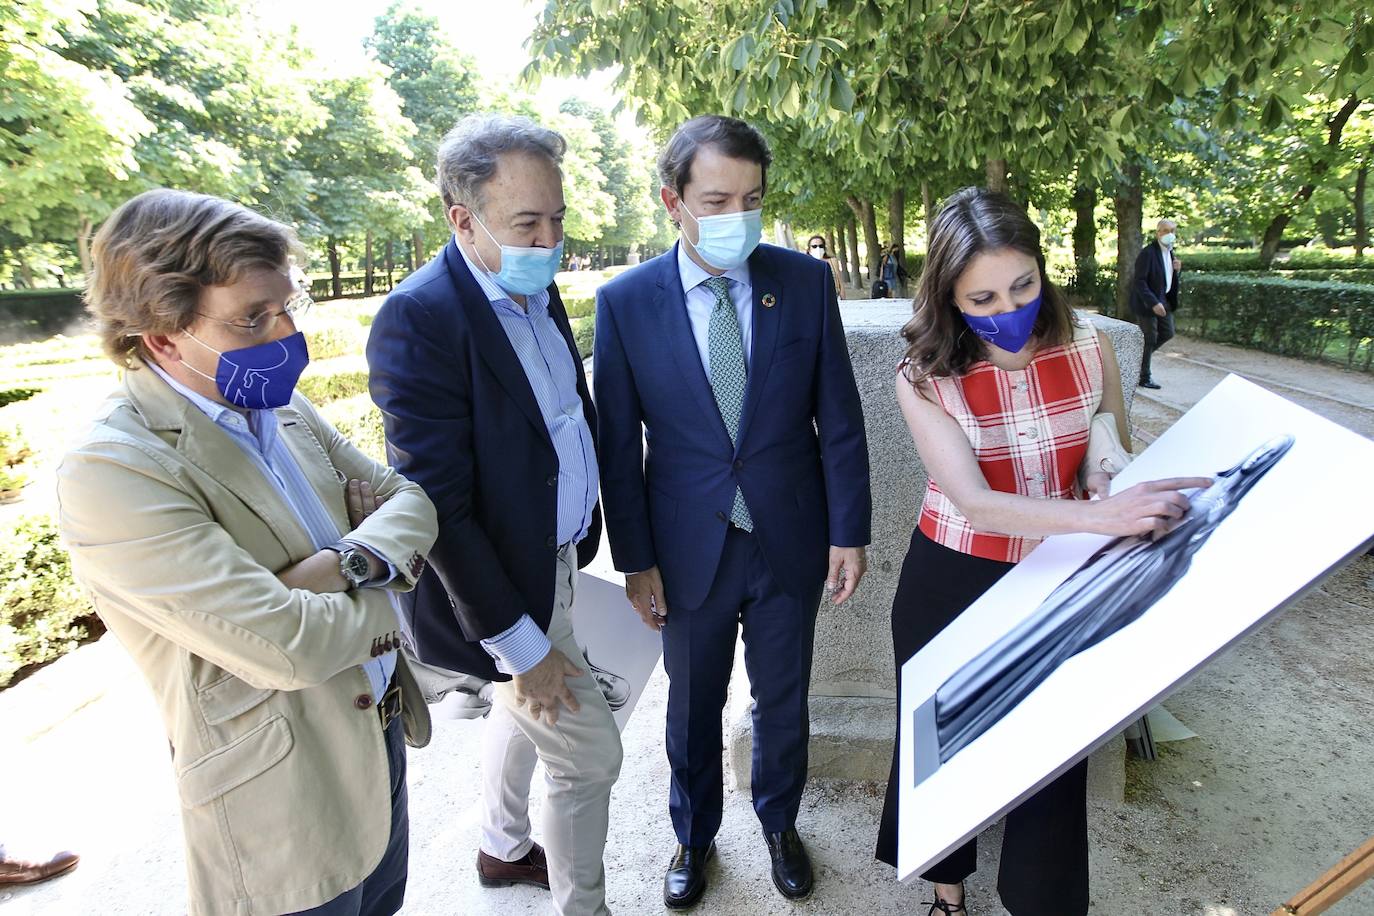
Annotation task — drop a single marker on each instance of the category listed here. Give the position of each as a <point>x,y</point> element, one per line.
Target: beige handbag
<point>1105,451</point>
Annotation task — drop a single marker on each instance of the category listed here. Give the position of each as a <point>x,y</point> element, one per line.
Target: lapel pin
<point>769,300</point>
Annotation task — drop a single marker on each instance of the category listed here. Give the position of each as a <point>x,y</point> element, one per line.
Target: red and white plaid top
<point>1029,432</point>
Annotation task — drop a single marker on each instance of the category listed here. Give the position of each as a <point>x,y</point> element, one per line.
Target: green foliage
<point>1292,317</point>
<point>1219,260</point>
<point>580,306</point>
<point>1326,257</point>
<point>327,341</point>
<point>11,395</point>
<point>360,422</point>
<point>630,180</point>
<point>43,613</point>
<point>326,387</point>
<point>67,129</point>
<point>1364,276</point>
<point>584,330</point>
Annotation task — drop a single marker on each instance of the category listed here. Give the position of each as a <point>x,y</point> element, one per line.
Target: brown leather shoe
<point>533,869</point>
<point>20,871</point>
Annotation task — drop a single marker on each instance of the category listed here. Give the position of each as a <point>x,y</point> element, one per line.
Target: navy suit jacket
<point>1147,287</point>
<point>461,421</point>
<point>801,457</point>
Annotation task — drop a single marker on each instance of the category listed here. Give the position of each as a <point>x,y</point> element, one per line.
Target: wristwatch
<point>353,566</point>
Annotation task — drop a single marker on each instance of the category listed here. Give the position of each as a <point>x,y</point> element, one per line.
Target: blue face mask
<point>524,271</point>
<point>1010,330</point>
<point>727,240</point>
<point>1167,239</point>
<point>261,377</point>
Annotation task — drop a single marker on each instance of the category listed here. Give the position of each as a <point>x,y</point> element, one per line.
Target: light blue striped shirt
<point>259,436</point>
<point>552,374</point>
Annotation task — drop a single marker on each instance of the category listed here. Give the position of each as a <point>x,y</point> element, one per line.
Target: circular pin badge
<point>769,300</point>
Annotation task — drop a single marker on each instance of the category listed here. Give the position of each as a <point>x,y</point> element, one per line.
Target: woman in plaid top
<point>999,386</point>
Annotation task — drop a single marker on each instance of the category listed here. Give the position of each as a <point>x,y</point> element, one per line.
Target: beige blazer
<point>282,772</point>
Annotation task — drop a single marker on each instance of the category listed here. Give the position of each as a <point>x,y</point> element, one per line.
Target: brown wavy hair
<point>155,253</point>
<point>971,222</point>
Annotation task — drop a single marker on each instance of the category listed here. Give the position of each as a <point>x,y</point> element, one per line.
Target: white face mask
<point>726,240</point>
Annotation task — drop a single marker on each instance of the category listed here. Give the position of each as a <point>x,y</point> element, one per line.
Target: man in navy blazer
<point>729,360</point>
<point>486,406</point>
<point>1154,294</point>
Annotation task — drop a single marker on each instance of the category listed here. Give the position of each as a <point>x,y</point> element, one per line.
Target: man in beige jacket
<point>240,549</point>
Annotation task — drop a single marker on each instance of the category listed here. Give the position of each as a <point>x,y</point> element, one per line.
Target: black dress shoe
<point>685,881</point>
<point>1149,383</point>
<point>791,865</point>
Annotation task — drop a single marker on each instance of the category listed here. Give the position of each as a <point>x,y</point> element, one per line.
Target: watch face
<point>355,567</point>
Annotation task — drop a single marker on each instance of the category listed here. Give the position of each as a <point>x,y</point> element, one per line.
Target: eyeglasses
<point>264,323</point>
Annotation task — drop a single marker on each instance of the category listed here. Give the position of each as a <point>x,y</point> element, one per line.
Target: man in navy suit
<point>485,405</point>
<point>1154,294</point>
<point>729,359</point>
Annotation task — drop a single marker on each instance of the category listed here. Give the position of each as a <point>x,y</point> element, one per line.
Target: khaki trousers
<point>581,756</point>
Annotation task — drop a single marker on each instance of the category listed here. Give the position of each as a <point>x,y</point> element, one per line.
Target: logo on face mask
<point>524,271</point>
<point>260,377</point>
<point>725,241</point>
<point>1010,330</point>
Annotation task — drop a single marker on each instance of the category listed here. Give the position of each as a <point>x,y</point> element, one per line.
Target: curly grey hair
<point>469,153</point>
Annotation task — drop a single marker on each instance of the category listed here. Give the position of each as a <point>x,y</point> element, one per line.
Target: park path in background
<point>1188,368</point>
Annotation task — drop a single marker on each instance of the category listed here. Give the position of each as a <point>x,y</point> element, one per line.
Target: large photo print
<point>1089,632</point>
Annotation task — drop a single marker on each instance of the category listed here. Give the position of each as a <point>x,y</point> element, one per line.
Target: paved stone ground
<point>1274,790</point>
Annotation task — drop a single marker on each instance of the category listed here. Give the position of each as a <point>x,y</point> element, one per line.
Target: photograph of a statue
<point>1114,588</point>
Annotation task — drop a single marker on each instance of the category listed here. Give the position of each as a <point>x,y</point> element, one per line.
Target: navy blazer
<point>801,456</point>
<point>1147,286</point>
<point>461,421</point>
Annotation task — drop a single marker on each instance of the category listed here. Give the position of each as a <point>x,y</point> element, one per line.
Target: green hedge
<point>43,613</point>
<point>326,388</point>
<point>1308,258</point>
<point>579,306</point>
<point>331,340</point>
<point>360,422</point>
<point>1213,260</point>
<point>40,311</point>
<point>1313,320</point>
<point>583,330</point>
<point>1335,274</point>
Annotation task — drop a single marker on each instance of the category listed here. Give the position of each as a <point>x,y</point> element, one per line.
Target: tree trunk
<point>1273,233</point>
<point>928,206</point>
<point>852,231</point>
<point>1085,235</point>
<point>841,253</point>
<point>896,221</point>
<point>997,175</point>
<point>25,273</point>
<point>367,264</point>
<point>334,282</point>
<point>419,244</point>
<point>1129,203</point>
<point>83,245</point>
<point>863,211</point>
<point>1361,222</point>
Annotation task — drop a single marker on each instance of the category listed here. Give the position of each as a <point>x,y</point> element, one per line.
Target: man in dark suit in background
<point>1154,294</point>
<point>729,358</point>
<point>486,407</point>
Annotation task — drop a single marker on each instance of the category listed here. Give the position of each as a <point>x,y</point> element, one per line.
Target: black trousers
<point>1044,864</point>
<point>1158,331</point>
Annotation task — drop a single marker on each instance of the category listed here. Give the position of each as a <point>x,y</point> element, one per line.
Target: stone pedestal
<point>853,682</point>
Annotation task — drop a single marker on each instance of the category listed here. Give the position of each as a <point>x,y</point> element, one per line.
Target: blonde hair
<point>157,251</point>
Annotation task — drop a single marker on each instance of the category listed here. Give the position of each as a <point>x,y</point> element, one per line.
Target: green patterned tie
<point>728,376</point>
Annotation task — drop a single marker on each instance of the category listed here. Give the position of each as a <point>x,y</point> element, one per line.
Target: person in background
<point>999,386</point>
<point>893,272</point>
<point>242,550</point>
<point>1154,294</point>
<point>815,246</point>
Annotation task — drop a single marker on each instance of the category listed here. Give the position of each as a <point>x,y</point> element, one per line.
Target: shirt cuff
<point>519,648</point>
<point>385,578</point>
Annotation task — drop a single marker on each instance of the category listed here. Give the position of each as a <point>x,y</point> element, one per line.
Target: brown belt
<point>389,706</point>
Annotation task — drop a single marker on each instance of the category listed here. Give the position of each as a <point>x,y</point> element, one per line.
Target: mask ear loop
<point>481,260</point>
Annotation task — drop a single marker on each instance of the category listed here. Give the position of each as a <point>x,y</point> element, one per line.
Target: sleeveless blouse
<point>1029,432</point>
